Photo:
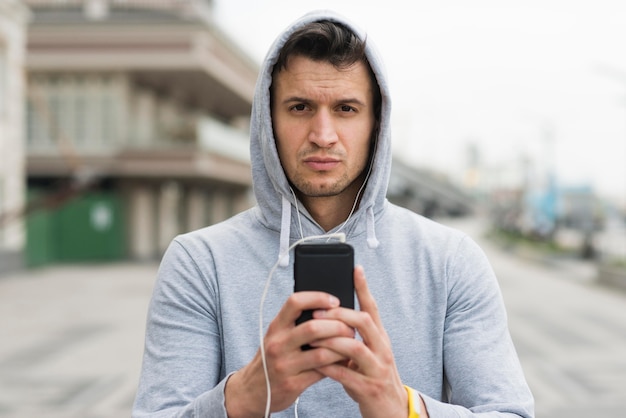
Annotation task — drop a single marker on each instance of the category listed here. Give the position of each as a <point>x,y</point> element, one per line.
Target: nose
<point>323,132</point>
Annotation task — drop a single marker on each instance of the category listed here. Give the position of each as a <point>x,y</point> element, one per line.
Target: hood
<point>279,208</point>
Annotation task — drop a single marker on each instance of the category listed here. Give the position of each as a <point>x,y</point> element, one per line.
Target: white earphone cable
<point>338,235</point>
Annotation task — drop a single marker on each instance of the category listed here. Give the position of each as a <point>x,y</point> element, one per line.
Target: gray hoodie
<point>438,297</point>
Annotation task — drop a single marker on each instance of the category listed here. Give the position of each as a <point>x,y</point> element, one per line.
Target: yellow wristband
<point>414,402</point>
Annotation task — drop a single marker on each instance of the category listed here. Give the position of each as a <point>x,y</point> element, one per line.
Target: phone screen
<point>327,268</point>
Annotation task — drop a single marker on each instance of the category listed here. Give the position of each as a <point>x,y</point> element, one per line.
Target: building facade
<point>13,20</point>
<point>137,126</point>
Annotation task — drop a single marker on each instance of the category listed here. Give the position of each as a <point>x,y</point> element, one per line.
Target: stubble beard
<point>321,189</point>
<point>327,187</point>
<point>326,184</point>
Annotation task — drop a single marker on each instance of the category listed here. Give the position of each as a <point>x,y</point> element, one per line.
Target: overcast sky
<point>542,78</point>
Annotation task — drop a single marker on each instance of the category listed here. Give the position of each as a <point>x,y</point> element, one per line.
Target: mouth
<point>321,163</point>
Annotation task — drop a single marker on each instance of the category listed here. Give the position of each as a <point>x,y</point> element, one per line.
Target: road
<point>71,340</point>
<point>71,337</point>
<point>570,333</point>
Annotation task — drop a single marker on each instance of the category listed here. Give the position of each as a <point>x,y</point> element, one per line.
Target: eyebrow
<point>349,100</point>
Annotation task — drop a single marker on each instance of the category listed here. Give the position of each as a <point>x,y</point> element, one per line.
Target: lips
<point>321,163</point>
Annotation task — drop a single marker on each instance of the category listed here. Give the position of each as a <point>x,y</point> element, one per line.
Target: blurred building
<point>13,20</point>
<point>137,126</point>
<point>427,192</point>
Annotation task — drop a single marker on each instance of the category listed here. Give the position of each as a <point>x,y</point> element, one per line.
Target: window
<point>83,110</point>
<point>80,125</point>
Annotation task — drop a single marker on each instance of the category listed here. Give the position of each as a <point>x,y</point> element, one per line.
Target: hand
<point>290,369</point>
<point>370,376</point>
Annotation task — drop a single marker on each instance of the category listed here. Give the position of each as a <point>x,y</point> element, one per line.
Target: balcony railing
<point>165,5</point>
<point>104,113</point>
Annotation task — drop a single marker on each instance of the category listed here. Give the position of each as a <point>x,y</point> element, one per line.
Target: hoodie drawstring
<point>372,241</point>
<point>285,231</point>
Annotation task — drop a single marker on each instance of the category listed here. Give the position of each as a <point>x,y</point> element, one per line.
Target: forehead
<point>303,75</point>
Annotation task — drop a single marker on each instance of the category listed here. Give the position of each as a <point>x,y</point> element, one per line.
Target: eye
<point>347,108</point>
<point>299,107</point>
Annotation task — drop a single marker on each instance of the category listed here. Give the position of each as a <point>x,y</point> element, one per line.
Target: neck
<point>331,211</point>
<point>326,213</point>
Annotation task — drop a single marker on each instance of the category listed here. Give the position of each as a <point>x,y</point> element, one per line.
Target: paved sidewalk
<point>71,340</point>
<point>71,337</point>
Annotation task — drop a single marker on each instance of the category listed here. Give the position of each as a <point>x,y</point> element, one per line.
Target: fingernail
<point>334,302</point>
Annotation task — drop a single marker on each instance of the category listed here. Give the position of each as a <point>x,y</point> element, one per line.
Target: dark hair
<point>323,41</point>
<point>332,42</point>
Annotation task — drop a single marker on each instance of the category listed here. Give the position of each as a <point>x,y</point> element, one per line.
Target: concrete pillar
<point>220,206</point>
<point>13,19</point>
<point>142,223</point>
<point>169,203</point>
<point>196,209</point>
<point>243,200</point>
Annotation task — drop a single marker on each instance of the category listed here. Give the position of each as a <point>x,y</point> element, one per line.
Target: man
<point>429,337</point>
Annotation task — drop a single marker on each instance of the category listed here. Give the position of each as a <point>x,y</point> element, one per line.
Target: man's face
<point>323,120</point>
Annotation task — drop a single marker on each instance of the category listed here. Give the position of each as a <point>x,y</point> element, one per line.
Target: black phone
<point>325,267</point>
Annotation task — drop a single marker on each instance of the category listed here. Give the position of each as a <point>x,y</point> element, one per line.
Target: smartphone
<point>325,267</point>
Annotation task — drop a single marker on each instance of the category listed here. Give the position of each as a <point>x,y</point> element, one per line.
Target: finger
<point>366,300</point>
<point>286,359</point>
<point>360,388</point>
<point>360,354</point>
<point>373,335</point>
<point>362,363</point>
<point>301,301</point>
<point>319,329</point>
<point>341,373</point>
<point>320,357</point>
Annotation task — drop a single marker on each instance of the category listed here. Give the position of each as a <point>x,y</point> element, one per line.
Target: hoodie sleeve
<point>483,374</point>
<point>182,337</point>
